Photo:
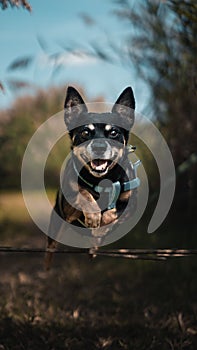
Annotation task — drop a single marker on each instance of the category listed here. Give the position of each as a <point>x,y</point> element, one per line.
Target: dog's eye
<point>113,133</point>
<point>85,133</point>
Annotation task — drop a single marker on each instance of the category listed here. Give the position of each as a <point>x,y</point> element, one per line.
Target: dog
<point>99,145</point>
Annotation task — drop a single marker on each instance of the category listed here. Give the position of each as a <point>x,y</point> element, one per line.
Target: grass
<point>13,207</point>
<point>104,303</point>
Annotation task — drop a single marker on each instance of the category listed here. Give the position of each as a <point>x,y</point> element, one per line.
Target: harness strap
<point>115,189</point>
<point>86,182</point>
<point>132,184</point>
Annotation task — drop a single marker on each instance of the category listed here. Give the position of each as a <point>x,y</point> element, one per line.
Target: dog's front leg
<point>90,208</point>
<point>108,217</point>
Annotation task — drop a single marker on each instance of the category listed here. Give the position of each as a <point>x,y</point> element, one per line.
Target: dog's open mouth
<point>100,166</point>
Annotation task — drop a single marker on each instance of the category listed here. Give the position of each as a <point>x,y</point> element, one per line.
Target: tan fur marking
<point>91,127</point>
<point>109,216</point>
<point>124,196</point>
<point>108,127</point>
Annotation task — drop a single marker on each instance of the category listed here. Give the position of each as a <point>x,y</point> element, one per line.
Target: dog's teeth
<point>99,165</point>
<point>102,166</point>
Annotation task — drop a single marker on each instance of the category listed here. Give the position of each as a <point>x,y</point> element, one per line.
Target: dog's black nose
<point>99,147</point>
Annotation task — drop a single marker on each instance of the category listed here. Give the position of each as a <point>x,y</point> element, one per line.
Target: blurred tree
<point>17,125</point>
<point>14,136</point>
<point>164,51</point>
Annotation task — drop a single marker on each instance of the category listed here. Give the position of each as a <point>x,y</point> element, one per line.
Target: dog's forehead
<point>92,119</point>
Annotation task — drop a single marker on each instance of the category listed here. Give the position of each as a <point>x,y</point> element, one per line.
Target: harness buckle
<point>113,192</point>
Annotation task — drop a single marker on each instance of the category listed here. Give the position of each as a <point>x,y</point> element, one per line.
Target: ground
<point>83,303</point>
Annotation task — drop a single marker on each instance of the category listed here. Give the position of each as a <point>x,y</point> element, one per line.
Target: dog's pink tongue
<point>99,164</point>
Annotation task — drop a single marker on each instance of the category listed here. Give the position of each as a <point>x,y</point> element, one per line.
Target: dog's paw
<point>92,220</point>
<point>100,232</point>
<point>109,216</point>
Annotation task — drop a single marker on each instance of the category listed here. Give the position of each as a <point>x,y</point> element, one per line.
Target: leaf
<point>2,87</point>
<point>42,42</point>
<point>17,3</point>
<point>88,20</point>
<point>18,84</point>
<point>100,53</point>
<point>20,63</point>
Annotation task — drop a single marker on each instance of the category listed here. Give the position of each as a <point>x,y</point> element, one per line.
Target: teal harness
<point>113,190</point>
<point>116,188</point>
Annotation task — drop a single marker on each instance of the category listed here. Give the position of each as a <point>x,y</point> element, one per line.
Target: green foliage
<point>18,124</point>
<point>101,303</point>
<point>164,50</point>
<point>16,133</point>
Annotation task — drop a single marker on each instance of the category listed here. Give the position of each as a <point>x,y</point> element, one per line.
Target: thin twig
<point>140,254</point>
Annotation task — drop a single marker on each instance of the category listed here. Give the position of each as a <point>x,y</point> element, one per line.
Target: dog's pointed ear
<point>125,106</point>
<point>74,105</point>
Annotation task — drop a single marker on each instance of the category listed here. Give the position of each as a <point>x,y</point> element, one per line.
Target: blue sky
<point>59,25</point>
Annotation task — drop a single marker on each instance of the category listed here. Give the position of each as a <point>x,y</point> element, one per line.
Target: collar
<point>116,187</point>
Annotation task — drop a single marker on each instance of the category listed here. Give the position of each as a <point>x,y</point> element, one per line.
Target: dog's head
<point>99,139</point>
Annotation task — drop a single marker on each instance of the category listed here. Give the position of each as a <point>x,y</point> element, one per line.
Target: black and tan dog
<point>99,152</point>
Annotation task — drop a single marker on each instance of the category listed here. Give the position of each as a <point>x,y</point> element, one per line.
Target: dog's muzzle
<point>99,147</point>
